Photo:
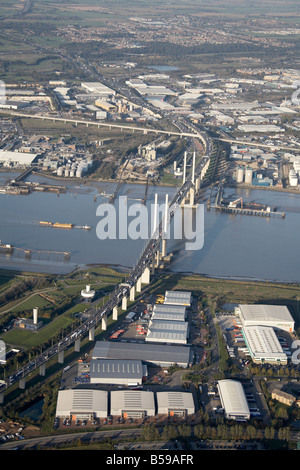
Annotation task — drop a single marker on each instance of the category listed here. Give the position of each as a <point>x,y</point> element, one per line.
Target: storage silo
<point>60,171</point>
<point>240,175</point>
<point>79,172</point>
<point>248,176</point>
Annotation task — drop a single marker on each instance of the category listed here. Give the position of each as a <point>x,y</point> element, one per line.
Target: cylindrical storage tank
<point>67,172</point>
<point>35,315</point>
<point>72,173</point>
<point>79,172</point>
<point>240,175</point>
<point>248,176</point>
<point>60,171</point>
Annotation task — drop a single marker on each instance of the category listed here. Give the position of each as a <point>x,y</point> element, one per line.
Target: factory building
<point>132,404</point>
<point>159,354</point>
<point>178,298</point>
<point>276,316</point>
<point>233,400</point>
<point>175,403</point>
<point>82,404</point>
<point>167,331</point>
<point>263,345</point>
<point>117,372</point>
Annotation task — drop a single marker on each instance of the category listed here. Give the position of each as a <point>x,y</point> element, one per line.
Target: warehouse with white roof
<point>175,403</point>
<point>117,372</point>
<point>82,404</point>
<point>263,345</point>
<point>233,400</point>
<point>276,316</point>
<point>132,403</point>
<point>14,158</point>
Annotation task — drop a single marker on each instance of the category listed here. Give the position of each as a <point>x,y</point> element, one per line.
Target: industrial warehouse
<point>81,404</point>
<point>233,400</point>
<point>161,355</point>
<point>276,316</point>
<point>175,403</point>
<point>91,404</point>
<point>132,403</point>
<point>263,345</point>
<point>169,312</point>
<point>121,372</point>
<point>168,331</point>
<point>178,298</point>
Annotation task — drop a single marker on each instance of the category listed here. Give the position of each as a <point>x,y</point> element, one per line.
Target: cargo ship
<point>56,225</point>
<point>45,223</point>
<point>65,226</point>
<point>59,225</point>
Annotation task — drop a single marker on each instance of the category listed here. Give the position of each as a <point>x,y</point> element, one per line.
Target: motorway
<point>144,130</point>
<point>96,315</point>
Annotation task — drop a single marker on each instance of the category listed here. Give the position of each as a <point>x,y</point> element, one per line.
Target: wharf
<point>245,211</point>
<point>27,188</point>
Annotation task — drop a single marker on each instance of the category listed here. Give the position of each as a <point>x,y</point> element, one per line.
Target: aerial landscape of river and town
<point>149,237</point>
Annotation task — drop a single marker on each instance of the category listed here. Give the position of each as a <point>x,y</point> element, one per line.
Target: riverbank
<point>214,292</point>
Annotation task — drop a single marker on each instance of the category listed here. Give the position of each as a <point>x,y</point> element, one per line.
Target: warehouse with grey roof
<point>158,354</point>
<point>175,403</point>
<point>132,403</point>
<point>167,331</point>
<point>173,297</point>
<point>117,371</point>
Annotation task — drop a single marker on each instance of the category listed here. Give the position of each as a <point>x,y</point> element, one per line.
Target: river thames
<point>235,246</point>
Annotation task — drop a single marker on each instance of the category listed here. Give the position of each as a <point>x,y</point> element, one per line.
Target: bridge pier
<point>164,248</point>
<point>115,313</point>
<point>43,369</point>
<point>153,264</point>
<point>104,323</point>
<point>92,334</point>
<point>1,398</point>
<point>192,196</point>
<point>124,303</point>
<point>61,357</point>
<point>132,293</point>
<point>139,285</point>
<point>22,383</point>
<point>77,345</point>
<point>146,276</point>
<point>197,184</point>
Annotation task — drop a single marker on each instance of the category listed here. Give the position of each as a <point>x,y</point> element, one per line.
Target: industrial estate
<point>143,357</point>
